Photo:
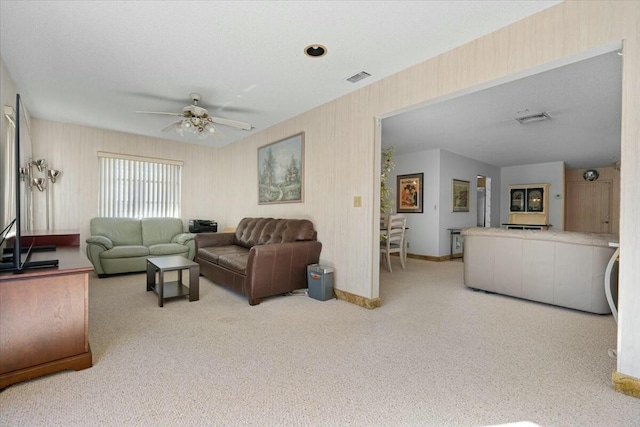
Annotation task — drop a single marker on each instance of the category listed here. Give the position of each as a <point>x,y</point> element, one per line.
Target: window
<point>139,187</point>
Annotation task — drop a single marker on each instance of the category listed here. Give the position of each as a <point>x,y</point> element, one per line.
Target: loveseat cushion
<point>121,231</point>
<point>101,240</point>
<point>168,249</point>
<point>183,238</point>
<point>159,230</point>
<point>125,252</point>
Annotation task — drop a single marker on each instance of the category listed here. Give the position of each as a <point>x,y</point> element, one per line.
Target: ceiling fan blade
<point>218,134</point>
<point>232,123</point>
<point>227,108</point>
<point>172,126</point>
<point>155,112</point>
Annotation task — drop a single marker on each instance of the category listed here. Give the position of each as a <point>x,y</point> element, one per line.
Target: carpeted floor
<point>435,354</point>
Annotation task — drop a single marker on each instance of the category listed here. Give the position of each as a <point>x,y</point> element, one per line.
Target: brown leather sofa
<point>264,257</point>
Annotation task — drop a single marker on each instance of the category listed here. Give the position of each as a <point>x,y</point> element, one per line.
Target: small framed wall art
<point>460,195</point>
<point>281,171</point>
<point>409,193</point>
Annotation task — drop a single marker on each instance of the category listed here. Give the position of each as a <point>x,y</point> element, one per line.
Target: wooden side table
<point>176,288</point>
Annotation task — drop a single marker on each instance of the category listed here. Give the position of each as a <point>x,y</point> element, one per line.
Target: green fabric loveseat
<point>122,245</point>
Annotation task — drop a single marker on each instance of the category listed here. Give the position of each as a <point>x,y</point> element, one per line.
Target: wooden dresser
<point>44,317</point>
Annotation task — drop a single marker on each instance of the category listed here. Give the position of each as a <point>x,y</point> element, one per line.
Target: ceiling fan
<point>197,120</point>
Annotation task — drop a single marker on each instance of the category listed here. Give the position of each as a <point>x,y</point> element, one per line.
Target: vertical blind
<point>136,187</point>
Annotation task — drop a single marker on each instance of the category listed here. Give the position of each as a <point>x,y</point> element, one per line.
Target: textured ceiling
<point>95,63</point>
<point>583,100</point>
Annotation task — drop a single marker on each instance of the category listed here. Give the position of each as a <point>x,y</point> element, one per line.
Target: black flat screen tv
<point>16,258</point>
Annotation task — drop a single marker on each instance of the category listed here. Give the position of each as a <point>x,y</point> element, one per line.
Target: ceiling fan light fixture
<point>196,120</point>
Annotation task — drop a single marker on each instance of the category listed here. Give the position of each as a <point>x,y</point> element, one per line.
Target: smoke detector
<point>533,118</point>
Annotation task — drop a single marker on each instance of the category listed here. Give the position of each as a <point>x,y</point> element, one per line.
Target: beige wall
<point>73,150</point>
<point>342,150</point>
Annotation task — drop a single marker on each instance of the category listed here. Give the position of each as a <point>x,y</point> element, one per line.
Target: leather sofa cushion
<point>264,231</point>
<point>212,253</point>
<point>286,230</point>
<point>125,252</point>
<point>232,257</point>
<point>249,230</point>
<point>168,249</point>
<point>235,261</point>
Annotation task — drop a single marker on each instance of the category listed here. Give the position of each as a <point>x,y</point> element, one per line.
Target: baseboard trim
<point>625,384</point>
<point>357,299</point>
<point>434,258</point>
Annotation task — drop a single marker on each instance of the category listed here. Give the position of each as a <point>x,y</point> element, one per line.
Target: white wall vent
<point>357,77</point>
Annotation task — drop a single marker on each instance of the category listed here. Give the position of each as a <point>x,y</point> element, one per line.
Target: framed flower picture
<point>409,193</point>
<point>460,195</point>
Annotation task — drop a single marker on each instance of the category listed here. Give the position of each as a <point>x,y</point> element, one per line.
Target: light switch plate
<point>357,202</point>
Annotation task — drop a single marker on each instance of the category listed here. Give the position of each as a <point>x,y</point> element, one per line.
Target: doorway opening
<point>421,132</point>
<point>484,201</point>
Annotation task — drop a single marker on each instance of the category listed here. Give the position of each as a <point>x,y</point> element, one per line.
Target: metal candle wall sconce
<point>28,174</point>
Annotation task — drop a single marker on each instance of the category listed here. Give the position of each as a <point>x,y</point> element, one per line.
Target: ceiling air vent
<point>357,77</point>
<point>533,118</point>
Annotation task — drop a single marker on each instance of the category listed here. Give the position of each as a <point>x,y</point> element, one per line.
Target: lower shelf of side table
<point>172,290</point>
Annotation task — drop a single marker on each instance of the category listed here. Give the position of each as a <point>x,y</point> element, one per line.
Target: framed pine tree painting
<point>281,171</point>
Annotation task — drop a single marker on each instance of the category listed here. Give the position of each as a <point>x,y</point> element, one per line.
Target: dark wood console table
<point>51,237</point>
<point>44,313</point>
